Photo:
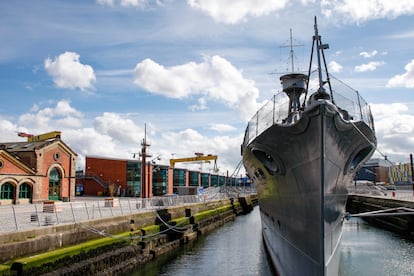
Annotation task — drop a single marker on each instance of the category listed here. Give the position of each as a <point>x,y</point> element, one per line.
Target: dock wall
<point>400,224</point>
<point>198,219</point>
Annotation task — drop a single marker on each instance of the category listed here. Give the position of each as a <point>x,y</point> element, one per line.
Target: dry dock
<point>114,245</point>
<point>392,210</point>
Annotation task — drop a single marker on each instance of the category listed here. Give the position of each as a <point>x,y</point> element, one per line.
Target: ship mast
<point>321,92</point>
<point>293,84</point>
<point>292,52</point>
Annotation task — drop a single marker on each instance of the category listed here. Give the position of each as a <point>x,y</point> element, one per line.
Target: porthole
<point>56,156</point>
<point>1,164</point>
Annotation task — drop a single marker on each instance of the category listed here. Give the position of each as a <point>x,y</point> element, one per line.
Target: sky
<point>192,72</point>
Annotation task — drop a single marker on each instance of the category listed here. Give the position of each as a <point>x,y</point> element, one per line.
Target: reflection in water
<point>366,250</point>
<point>237,249</point>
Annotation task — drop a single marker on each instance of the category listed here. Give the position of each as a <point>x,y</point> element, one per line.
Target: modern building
<point>401,174</point>
<point>375,170</point>
<point>36,171</point>
<point>120,177</point>
<point>378,170</point>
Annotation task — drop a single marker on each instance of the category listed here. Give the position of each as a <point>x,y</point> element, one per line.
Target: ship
<point>302,150</point>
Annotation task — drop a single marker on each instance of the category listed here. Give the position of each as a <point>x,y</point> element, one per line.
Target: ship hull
<point>301,172</point>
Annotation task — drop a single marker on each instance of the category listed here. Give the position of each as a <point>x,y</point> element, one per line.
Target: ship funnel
<point>294,84</point>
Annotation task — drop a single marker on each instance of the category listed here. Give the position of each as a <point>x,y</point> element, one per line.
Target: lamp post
<point>144,145</point>
<point>146,185</point>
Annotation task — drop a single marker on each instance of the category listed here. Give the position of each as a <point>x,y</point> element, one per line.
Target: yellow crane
<point>199,157</point>
<point>41,137</point>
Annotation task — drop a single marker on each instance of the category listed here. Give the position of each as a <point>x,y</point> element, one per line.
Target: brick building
<point>36,171</point>
<point>375,170</point>
<point>120,177</point>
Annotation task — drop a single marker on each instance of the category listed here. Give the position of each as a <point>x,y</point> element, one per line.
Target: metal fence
<point>25,217</point>
<point>404,193</point>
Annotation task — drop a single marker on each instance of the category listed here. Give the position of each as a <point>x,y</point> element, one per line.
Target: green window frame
<point>25,191</point>
<point>7,191</point>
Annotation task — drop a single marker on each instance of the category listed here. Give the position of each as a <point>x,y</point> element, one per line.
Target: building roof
<point>24,146</point>
<point>378,162</point>
<point>16,147</point>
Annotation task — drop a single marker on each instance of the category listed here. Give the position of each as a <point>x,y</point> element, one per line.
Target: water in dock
<point>237,249</point>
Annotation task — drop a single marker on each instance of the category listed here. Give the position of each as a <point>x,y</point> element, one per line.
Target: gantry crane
<point>199,157</point>
<point>40,137</point>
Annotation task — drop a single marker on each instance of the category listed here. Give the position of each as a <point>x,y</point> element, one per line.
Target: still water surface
<point>237,249</point>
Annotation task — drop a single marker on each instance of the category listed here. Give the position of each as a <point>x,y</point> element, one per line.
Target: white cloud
<point>234,11</point>
<point>201,104</point>
<point>371,66</point>
<point>68,72</point>
<point>222,127</point>
<point>404,80</point>
<point>62,114</point>
<point>105,2</point>
<point>115,135</point>
<point>125,3</point>
<point>189,141</point>
<point>134,3</point>
<point>364,10</point>
<point>394,130</point>
<point>369,54</point>
<point>335,67</point>
<point>9,130</point>
<point>120,129</point>
<point>215,78</point>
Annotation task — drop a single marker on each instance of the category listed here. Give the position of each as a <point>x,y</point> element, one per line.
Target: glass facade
<point>193,178</point>
<point>133,178</point>
<point>205,179</point>
<point>160,181</point>
<point>221,180</point>
<point>231,181</point>
<point>214,180</point>
<point>179,177</point>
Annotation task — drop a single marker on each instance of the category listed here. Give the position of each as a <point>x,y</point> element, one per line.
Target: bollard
<point>393,194</point>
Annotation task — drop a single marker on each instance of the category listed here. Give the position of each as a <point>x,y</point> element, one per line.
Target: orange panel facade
<point>106,176</point>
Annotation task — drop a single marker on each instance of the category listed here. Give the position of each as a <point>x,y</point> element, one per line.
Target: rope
<point>373,145</point>
<point>172,227</point>
<point>365,137</point>
<point>386,212</point>
<point>104,234</point>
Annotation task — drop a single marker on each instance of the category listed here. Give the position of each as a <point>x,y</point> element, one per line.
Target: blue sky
<point>193,71</point>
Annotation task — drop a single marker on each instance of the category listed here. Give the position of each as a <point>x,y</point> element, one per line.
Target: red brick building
<point>36,171</point>
<point>120,177</point>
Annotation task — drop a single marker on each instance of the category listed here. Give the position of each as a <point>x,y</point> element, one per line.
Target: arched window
<point>7,191</point>
<point>54,184</point>
<point>25,191</point>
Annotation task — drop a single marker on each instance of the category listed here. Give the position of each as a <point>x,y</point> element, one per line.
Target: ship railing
<point>272,112</point>
<point>395,192</point>
<point>350,100</point>
<point>275,111</point>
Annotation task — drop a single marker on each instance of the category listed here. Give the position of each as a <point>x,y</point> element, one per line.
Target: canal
<point>237,249</point>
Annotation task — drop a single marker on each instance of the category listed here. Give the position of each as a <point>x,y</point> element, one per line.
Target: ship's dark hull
<point>301,172</point>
